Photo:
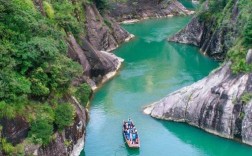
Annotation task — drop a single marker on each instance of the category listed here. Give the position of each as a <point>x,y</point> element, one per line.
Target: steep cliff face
<point>68,142</point>
<point>98,65</point>
<point>103,32</point>
<point>213,36</point>
<point>14,130</point>
<point>142,9</point>
<point>216,104</point>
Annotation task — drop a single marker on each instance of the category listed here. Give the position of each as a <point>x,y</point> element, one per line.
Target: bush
<point>64,115</point>
<point>246,97</point>
<point>41,131</point>
<point>8,148</point>
<point>83,93</point>
<point>48,9</point>
<point>101,4</point>
<point>248,33</point>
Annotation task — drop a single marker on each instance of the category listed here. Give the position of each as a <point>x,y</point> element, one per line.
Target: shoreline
<point>134,20</point>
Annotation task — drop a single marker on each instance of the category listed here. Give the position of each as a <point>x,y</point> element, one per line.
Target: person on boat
<point>130,136</point>
<point>129,122</point>
<point>127,134</point>
<point>136,135</point>
<point>124,125</point>
<point>133,129</point>
<point>133,138</point>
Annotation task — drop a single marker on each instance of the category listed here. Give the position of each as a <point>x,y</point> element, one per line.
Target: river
<point>152,68</point>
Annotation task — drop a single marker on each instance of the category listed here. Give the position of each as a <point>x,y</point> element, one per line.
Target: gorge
<point>56,55</point>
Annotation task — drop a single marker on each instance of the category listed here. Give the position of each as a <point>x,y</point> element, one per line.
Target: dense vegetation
<point>36,73</point>
<point>239,40</point>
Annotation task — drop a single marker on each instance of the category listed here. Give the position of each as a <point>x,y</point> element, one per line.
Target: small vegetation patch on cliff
<point>234,18</point>
<point>64,115</point>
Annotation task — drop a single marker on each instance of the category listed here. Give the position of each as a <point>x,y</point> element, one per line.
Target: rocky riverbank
<point>133,11</point>
<point>215,104</point>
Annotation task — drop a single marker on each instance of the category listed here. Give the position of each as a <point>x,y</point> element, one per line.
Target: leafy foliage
<point>35,70</point>
<point>9,149</point>
<point>64,115</point>
<point>33,58</point>
<point>83,93</point>
<point>101,4</point>
<point>41,131</point>
<point>237,26</point>
<point>248,33</point>
<point>246,97</point>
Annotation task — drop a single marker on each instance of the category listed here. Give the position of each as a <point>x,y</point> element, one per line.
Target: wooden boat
<point>136,143</point>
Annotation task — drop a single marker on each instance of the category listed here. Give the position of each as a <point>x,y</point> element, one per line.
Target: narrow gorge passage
<point>153,68</point>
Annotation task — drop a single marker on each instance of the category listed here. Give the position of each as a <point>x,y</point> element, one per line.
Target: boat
<point>131,144</point>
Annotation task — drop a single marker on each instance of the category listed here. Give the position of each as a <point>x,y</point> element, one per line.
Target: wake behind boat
<point>130,134</point>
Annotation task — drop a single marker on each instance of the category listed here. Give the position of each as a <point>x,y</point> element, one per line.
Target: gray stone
<point>214,42</point>
<point>249,57</point>
<point>142,9</point>
<point>212,104</point>
<point>103,33</point>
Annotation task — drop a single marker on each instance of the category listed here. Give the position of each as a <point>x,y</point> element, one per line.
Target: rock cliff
<point>141,9</point>
<point>103,32</point>
<point>68,142</point>
<point>216,104</point>
<point>220,103</point>
<point>213,37</point>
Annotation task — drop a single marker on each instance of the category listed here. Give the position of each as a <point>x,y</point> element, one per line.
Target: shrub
<point>64,115</point>
<point>101,4</point>
<point>8,148</point>
<point>41,132</point>
<point>248,32</point>
<point>246,97</point>
<point>83,93</point>
<point>48,9</point>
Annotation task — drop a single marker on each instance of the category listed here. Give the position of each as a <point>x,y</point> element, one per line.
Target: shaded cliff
<point>142,9</point>
<point>103,32</point>
<point>212,33</point>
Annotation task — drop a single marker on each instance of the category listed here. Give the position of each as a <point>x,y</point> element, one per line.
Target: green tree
<point>83,93</point>
<point>248,32</point>
<point>41,131</point>
<point>64,115</point>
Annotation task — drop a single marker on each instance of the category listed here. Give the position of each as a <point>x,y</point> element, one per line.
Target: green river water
<point>153,68</point>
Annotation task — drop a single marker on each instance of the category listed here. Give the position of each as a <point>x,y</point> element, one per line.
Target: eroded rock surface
<point>103,33</point>
<point>212,38</point>
<point>142,9</point>
<point>213,104</point>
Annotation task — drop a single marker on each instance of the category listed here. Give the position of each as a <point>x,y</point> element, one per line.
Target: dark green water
<point>152,69</point>
<point>188,4</point>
